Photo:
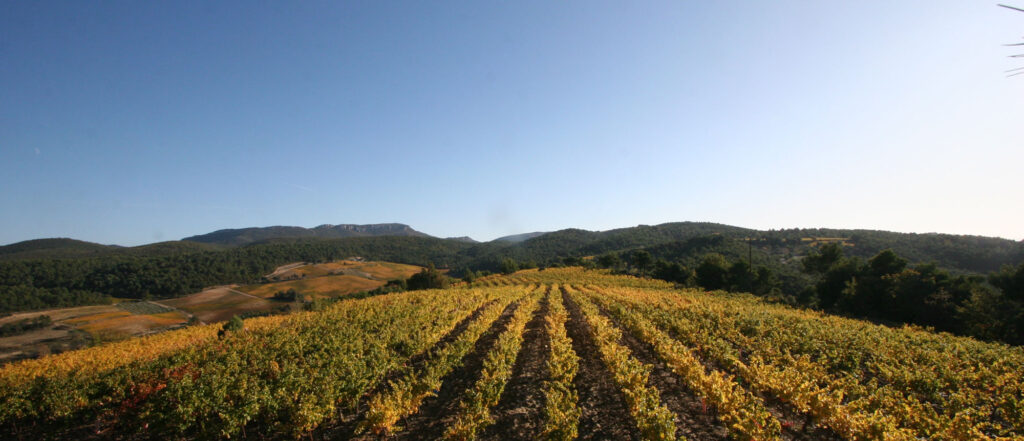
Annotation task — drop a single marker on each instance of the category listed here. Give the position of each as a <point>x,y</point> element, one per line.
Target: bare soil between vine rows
<point>694,418</point>
<point>345,428</point>
<point>604,411</point>
<point>437,412</point>
<point>519,414</point>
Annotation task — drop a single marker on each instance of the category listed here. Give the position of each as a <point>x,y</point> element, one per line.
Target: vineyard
<point>557,354</point>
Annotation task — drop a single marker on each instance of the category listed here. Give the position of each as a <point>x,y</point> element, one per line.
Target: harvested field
<point>371,270</point>
<point>284,272</point>
<point>388,270</point>
<point>142,308</point>
<point>73,328</point>
<point>219,304</point>
<point>60,314</point>
<point>115,327</point>
<point>318,287</point>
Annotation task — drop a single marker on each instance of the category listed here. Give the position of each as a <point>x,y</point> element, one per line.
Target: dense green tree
<point>1011,281</point>
<point>821,260</point>
<point>608,260</point>
<point>508,266</point>
<point>713,272</point>
<point>989,315</point>
<point>428,278</point>
<point>765,282</point>
<point>233,325</point>
<point>288,296</point>
<point>642,260</point>
<point>740,278</point>
<point>833,283</point>
<point>672,272</point>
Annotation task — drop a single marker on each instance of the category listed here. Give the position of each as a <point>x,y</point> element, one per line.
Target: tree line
<point>883,288</point>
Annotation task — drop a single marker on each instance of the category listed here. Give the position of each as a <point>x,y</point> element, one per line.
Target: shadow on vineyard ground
<point>344,429</point>
<point>519,414</point>
<point>605,414</point>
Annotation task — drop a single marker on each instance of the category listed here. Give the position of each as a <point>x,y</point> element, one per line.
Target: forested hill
<point>520,237</point>
<point>50,248</point>
<point>244,236</point>
<point>580,243</point>
<point>64,272</point>
<point>679,241</point>
<point>684,240</point>
<point>62,248</point>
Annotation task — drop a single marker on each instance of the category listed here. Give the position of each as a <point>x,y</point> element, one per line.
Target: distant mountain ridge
<point>676,241</point>
<point>64,248</point>
<point>682,241</point>
<point>515,238</point>
<point>245,236</point>
<point>43,248</point>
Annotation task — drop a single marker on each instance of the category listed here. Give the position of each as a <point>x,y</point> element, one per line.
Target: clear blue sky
<point>133,122</point>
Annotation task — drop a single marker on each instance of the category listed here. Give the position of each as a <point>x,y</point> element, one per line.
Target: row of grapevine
<point>857,404</point>
<point>655,420</point>
<point>474,409</point>
<point>285,376</point>
<point>562,416</point>
<point>291,377</point>
<point>53,386</point>
<point>577,276</point>
<point>744,414</point>
<point>405,394</point>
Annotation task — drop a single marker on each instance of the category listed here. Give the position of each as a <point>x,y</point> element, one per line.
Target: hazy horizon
<point>131,123</point>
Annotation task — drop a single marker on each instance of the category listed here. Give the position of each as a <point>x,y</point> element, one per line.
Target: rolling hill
<point>677,241</point>
<point>62,248</point>
<point>244,236</point>
<point>960,253</point>
<point>64,272</point>
<point>51,248</point>
<point>516,238</point>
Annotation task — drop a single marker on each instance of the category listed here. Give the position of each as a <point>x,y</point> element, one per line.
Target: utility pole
<point>750,262</point>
